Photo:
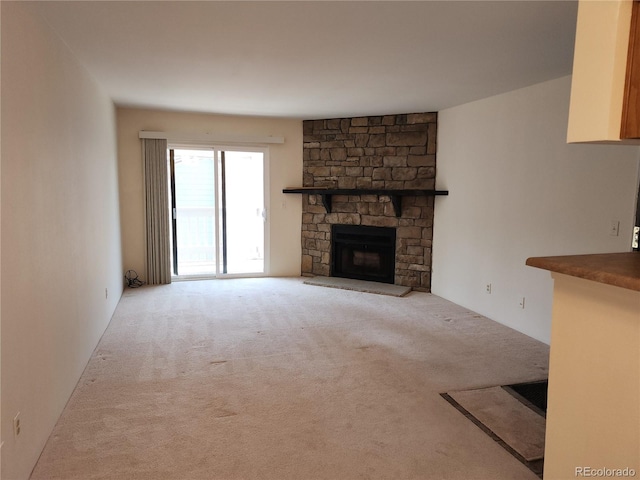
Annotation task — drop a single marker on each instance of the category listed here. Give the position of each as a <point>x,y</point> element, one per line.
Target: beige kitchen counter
<point>617,269</point>
<point>593,413</point>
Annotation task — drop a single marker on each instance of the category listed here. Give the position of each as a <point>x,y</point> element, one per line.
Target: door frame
<point>216,148</point>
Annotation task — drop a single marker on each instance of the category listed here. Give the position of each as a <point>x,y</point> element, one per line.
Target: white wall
<point>517,190</point>
<point>285,170</point>
<point>60,229</point>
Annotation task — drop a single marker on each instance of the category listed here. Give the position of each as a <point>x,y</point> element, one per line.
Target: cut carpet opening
<point>532,394</point>
<point>511,419</point>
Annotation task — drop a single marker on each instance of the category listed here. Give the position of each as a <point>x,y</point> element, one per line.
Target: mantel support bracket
<point>396,200</point>
<point>327,199</point>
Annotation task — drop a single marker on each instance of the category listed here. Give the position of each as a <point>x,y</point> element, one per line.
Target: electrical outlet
<point>488,288</point>
<point>16,425</point>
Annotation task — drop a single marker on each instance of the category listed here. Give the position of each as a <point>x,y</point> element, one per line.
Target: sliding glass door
<point>218,210</point>
<point>243,211</point>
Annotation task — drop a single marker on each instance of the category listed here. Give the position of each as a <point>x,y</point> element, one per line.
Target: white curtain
<point>157,205</point>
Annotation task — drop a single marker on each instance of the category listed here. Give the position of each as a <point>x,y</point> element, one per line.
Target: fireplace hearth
<point>363,252</point>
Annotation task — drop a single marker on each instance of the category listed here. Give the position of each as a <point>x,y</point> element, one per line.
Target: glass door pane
<point>242,211</point>
<point>194,222</point>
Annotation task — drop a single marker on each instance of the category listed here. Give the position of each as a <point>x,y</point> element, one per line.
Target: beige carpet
<point>274,379</point>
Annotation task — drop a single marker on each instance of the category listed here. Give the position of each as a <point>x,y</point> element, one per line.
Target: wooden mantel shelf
<point>395,195</point>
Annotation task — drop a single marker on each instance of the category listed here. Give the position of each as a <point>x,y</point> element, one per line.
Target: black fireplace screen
<point>363,252</point>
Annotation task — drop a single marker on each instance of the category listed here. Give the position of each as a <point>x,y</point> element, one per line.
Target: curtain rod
<point>208,138</point>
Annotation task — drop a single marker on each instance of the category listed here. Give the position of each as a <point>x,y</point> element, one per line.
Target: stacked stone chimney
<point>379,152</point>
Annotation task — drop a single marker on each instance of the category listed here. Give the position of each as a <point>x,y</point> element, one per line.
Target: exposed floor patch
<point>511,422</point>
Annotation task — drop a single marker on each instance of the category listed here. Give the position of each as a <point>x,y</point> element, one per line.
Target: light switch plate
<point>614,229</point>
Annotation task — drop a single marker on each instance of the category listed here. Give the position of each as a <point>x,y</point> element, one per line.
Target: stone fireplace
<point>390,152</point>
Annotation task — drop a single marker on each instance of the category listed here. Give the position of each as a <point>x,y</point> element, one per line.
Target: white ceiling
<point>315,59</point>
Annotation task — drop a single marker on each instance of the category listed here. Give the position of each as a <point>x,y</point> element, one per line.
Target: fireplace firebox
<point>363,252</point>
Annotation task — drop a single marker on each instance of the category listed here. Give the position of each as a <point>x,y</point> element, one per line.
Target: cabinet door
<point>630,127</point>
